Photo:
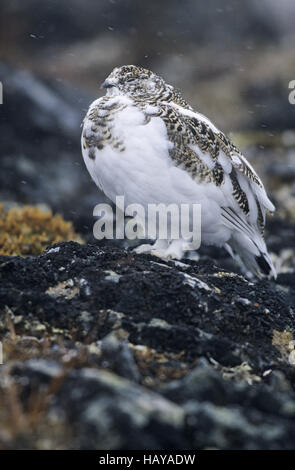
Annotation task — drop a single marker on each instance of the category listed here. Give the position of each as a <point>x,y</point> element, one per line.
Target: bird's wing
<point>210,157</point>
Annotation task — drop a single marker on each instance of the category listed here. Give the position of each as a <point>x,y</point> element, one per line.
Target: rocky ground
<point>107,349</point>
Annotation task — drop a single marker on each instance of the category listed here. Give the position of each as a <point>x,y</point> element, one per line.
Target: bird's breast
<point>126,152</point>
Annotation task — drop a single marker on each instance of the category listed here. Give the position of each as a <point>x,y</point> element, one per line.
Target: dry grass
<point>29,230</point>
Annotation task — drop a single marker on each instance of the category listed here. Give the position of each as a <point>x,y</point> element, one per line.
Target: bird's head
<point>135,82</point>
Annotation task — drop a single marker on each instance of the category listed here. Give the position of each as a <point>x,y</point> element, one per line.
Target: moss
<point>29,230</point>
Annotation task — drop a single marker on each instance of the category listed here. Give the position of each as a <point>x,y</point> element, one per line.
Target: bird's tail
<point>248,244</point>
<point>254,259</point>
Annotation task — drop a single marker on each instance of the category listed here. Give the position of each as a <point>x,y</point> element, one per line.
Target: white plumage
<point>144,142</point>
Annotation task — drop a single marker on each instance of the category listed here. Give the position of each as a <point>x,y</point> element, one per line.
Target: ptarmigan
<point>143,141</point>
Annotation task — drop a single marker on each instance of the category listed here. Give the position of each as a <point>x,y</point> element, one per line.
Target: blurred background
<point>233,61</point>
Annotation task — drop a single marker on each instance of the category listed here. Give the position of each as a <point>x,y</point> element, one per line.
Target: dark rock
<point>214,347</point>
<point>118,357</point>
<point>230,427</point>
<point>199,303</point>
<point>223,414</point>
<point>108,412</point>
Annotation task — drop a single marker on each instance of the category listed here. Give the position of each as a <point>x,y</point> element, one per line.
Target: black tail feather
<point>263,264</point>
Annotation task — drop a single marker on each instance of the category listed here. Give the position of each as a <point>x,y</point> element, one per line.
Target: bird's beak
<point>107,84</point>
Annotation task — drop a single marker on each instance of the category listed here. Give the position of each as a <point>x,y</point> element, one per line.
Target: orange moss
<point>29,230</point>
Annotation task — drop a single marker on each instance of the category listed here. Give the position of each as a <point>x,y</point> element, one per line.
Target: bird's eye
<point>130,80</point>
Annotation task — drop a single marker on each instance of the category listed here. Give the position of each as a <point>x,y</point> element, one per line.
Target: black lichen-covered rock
<point>116,350</point>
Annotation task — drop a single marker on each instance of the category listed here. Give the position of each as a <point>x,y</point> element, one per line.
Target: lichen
<point>29,230</point>
<point>283,341</point>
